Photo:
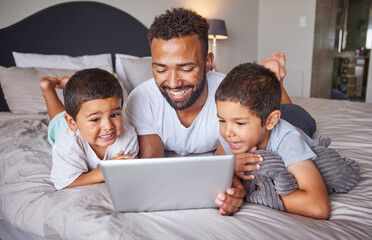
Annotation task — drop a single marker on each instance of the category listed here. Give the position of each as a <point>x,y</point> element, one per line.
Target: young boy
<point>88,129</point>
<point>248,108</point>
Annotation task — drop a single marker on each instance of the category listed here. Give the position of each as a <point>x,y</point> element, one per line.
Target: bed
<point>31,208</point>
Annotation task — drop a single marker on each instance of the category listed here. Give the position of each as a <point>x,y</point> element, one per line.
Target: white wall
<point>256,29</point>
<point>241,18</point>
<point>279,30</point>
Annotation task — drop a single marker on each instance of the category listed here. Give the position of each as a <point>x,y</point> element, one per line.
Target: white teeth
<point>235,143</point>
<point>107,135</point>
<point>179,93</point>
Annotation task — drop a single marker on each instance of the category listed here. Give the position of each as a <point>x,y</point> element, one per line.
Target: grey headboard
<point>74,28</point>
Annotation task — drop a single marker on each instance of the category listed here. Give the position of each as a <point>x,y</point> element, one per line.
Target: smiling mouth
<point>235,145</point>
<point>107,137</point>
<point>178,94</point>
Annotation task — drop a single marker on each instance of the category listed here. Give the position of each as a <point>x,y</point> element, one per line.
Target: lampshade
<point>217,29</point>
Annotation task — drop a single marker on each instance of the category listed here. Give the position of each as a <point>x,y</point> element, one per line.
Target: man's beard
<point>184,104</point>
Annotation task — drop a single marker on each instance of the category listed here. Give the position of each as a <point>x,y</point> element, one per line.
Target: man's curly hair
<point>180,22</point>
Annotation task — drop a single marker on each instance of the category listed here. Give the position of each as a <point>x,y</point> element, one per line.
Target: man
<point>175,111</point>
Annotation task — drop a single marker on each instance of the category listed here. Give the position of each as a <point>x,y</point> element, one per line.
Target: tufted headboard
<point>74,28</point>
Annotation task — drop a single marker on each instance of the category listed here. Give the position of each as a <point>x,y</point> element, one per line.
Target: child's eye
<point>221,121</point>
<point>94,120</point>
<point>241,123</point>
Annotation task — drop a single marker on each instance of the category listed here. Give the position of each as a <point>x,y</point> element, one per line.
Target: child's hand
<point>242,164</point>
<point>121,155</point>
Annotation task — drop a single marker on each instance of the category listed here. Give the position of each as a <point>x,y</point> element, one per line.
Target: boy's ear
<point>273,119</point>
<point>70,122</point>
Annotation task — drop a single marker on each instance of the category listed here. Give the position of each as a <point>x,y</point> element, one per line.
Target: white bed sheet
<point>29,201</point>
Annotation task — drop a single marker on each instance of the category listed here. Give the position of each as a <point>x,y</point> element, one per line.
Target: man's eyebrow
<point>158,64</point>
<point>179,65</point>
<point>186,64</point>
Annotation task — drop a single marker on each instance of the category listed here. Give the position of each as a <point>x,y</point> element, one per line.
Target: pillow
<point>21,87</point>
<point>133,70</point>
<point>62,61</point>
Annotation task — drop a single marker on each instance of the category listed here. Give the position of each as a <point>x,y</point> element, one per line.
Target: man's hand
<point>241,161</point>
<point>230,202</point>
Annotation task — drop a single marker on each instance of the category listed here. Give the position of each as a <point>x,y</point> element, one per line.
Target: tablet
<point>174,183</point>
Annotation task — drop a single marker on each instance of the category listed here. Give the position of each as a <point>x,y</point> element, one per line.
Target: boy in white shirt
<point>88,128</point>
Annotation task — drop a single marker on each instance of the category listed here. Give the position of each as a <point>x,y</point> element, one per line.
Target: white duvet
<point>29,201</point>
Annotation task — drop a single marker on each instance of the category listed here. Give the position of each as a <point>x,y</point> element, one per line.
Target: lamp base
<point>214,54</point>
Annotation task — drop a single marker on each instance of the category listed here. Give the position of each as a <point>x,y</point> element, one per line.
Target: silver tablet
<point>172,183</point>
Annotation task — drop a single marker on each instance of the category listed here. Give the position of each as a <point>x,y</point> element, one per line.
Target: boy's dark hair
<point>90,84</point>
<point>254,87</point>
<point>177,23</point>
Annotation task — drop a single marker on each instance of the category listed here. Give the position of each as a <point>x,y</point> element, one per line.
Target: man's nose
<point>174,79</point>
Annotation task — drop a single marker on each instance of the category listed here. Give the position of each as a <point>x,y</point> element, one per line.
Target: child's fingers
<point>241,169</point>
<point>128,156</point>
<point>253,149</point>
<point>247,167</point>
<point>246,158</point>
<point>244,162</point>
<point>121,155</point>
<point>242,176</point>
<point>250,158</point>
<point>118,154</point>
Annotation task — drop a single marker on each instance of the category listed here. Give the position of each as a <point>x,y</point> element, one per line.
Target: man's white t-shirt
<point>72,154</point>
<point>150,113</point>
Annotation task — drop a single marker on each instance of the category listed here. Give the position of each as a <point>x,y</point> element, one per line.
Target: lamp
<point>217,30</point>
